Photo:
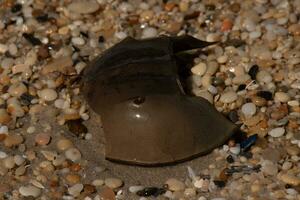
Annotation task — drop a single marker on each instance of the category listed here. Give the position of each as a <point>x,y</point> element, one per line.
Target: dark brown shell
<point>147,117</point>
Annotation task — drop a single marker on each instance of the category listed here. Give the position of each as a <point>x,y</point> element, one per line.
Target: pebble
<point>3,48</point>
<point>135,188</point>
<point>228,97</point>
<point>235,150</point>
<point>4,117</point>
<point>13,140</point>
<point>107,194</point>
<point>73,179</point>
<point>269,168</point>
<point>290,179</point>
<point>75,189</point>
<point>199,69</point>
<point>281,97</point>
<point>78,41</point>
<point>263,77</point>
<point>113,182</point>
<point>190,192</point>
<point>42,138</point>
<point>30,191</point>
<point>98,182</point>
<point>175,185</point>
<point>19,160</point>
<point>149,32</point>
<point>73,154</point>
<point>277,132</point>
<point>248,109</point>
<point>9,162</point>
<point>16,90</point>
<point>64,144</point>
<point>48,94</point>
<point>83,7</point>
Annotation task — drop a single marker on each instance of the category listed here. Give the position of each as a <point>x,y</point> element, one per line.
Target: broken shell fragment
<point>148,119</point>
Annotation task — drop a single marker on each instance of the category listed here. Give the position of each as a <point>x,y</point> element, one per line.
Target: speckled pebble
<point>282,97</point>
<point>75,189</point>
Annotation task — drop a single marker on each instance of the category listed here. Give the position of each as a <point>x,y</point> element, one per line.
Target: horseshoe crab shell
<point>147,117</point>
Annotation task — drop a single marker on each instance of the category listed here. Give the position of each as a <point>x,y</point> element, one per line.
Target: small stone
<point>73,179</point>
<point>19,160</point>
<point>61,64</point>
<point>294,29</point>
<point>265,94</point>
<point>3,48</point>
<point>228,97</point>
<point>269,168</point>
<point>76,127</point>
<point>277,132</point>
<point>113,182</point>
<point>135,188</point>
<point>32,39</point>
<point>286,165</point>
<point>13,140</point>
<point>83,7</point>
<point>235,150</point>
<point>281,97</point>
<point>253,71</point>
<point>42,138</point>
<point>149,32</point>
<point>16,90</point>
<point>292,150</point>
<point>175,185</point>
<point>263,77</point>
<point>78,41</point>
<point>199,69</point>
<point>107,194</point>
<point>248,109</point>
<point>75,189</point>
<point>151,191</point>
<point>64,144</point>
<point>9,162</point>
<point>30,191</point>
<point>290,179</point>
<point>48,94</point>
<point>4,117</point>
<point>98,182</point>
<point>222,59</point>
<point>73,154</point>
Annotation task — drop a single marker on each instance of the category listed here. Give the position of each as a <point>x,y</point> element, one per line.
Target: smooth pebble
<point>277,132</point>
<point>228,97</point>
<point>248,109</point>
<point>75,189</point>
<point>73,154</point>
<point>199,69</point>
<point>42,139</point>
<point>29,191</point>
<point>175,185</point>
<point>48,94</point>
<point>113,182</point>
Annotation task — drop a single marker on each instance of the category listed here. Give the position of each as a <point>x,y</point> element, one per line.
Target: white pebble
<point>242,79</point>
<point>73,154</point>
<point>98,182</point>
<point>75,189</point>
<point>249,109</point>
<point>135,188</point>
<point>149,32</point>
<point>281,97</point>
<point>293,103</point>
<point>264,77</point>
<point>48,94</point>
<point>228,97</point>
<point>199,69</point>
<point>3,154</point>
<point>212,89</point>
<point>9,162</point>
<point>277,132</point>
<point>19,160</point>
<point>222,59</point>
<point>78,41</point>
<point>235,150</point>
<point>29,191</point>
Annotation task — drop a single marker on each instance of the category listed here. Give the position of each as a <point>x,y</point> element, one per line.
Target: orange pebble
<point>226,25</point>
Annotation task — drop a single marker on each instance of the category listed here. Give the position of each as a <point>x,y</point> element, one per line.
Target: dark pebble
<point>241,87</point>
<point>151,191</point>
<point>230,159</point>
<point>233,116</point>
<point>253,71</point>
<point>235,43</point>
<point>219,183</point>
<point>42,18</point>
<point>86,35</point>
<point>216,81</point>
<point>192,15</point>
<point>30,38</point>
<point>265,94</point>
<point>243,169</point>
<point>16,8</point>
<point>26,99</point>
<point>246,144</point>
<point>43,52</point>
<point>101,39</point>
<point>76,127</point>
